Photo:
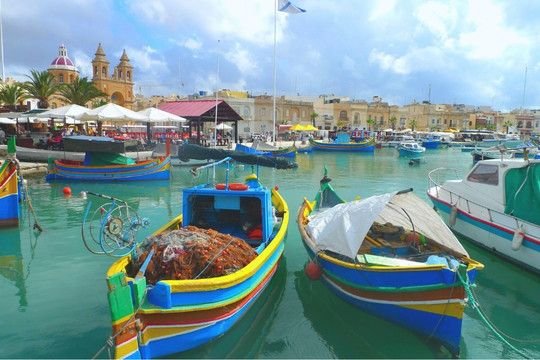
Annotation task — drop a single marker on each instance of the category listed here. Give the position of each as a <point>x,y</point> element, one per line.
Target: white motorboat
<point>496,205</point>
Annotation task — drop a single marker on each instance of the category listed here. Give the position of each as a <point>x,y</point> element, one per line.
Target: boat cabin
<point>237,209</point>
<point>505,185</point>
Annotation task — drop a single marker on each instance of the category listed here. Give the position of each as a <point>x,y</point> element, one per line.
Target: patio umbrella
<point>112,112</point>
<point>71,110</point>
<point>154,115</point>
<point>222,126</point>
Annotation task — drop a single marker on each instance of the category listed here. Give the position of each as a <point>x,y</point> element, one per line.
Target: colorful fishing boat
<point>400,261</point>
<point>411,149</point>
<point>174,315</point>
<point>104,161</point>
<point>9,194</point>
<point>496,205</point>
<point>431,142</point>
<point>288,152</point>
<point>343,143</point>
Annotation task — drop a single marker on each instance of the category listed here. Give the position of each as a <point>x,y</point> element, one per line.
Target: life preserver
<point>232,186</point>
<point>238,186</point>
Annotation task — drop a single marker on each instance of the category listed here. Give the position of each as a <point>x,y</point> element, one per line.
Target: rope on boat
<point>109,343</point>
<point>27,195</point>
<point>476,306</point>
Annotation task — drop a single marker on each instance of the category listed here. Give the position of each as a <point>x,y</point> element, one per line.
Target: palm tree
<point>393,122</point>
<point>412,124</point>
<point>313,116</point>
<point>12,95</point>
<point>507,125</point>
<point>80,92</point>
<point>370,122</point>
<point>41,86</point>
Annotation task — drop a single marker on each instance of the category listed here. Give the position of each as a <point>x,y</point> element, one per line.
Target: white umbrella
<point>7,121</point>
<point>156,115</point>
<point>67,120</point>
<point>111,112</point>
<point>222,126</point>
<point>71,110</point>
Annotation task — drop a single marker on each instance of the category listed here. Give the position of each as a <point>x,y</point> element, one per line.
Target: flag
<point>288,7</point>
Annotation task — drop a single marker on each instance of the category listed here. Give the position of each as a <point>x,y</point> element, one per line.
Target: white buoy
<point>453,216</point>
<point>517,240</point>
<point>83,194</point>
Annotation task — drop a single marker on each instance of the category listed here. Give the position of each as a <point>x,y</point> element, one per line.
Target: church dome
<point>62,61</point>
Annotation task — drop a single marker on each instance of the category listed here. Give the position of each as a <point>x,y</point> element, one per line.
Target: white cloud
<point>242,59</point>
<point>192,44</point>
<point>83,62</point>
<point>416,60</point>
<point>381,9</point>
<point>438,17</point>
<point>251,21</point>
<point>143,59</point>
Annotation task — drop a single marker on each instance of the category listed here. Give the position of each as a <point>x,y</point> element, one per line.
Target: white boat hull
<point>488,228</point>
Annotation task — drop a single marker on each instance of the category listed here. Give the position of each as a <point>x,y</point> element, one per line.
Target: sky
<point>477,52</point>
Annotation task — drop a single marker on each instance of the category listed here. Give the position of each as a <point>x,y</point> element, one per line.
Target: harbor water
<point>53,296</point>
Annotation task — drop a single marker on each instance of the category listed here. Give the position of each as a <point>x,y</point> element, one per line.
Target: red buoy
<point>313,270</point>
<point>276,188</point>
<point>67,190</point>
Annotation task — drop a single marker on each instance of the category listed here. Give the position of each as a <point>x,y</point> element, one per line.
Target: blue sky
<point>468,52</point>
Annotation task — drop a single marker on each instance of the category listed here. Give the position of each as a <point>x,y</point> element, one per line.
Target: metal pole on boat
<point>2,44</point>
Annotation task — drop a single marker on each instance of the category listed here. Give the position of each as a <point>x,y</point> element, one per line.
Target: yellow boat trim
<point>122,320</point>
<point>229,280</point>
<point>127,348</point>
<point>454,309</point>
<point>152,333</point>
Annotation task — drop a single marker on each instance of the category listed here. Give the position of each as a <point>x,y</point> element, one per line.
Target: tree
<point>507,125</point>
<point>412,124</point>
<point>370,122</point>
<point>313,116</point>
<point>99,102</point>
<point>80,92</point>
<point>41,86</point>
<point>393,122</point>
<point>12,95</point>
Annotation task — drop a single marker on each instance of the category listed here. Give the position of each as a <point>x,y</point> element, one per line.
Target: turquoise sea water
<point>53,301</point>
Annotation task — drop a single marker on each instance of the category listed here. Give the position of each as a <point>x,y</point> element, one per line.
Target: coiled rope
<point>476,306</point>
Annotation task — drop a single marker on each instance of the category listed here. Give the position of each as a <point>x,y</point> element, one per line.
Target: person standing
<point>2,136</point>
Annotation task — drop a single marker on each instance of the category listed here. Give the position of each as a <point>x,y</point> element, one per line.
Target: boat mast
<point>2,44</point>
<point>274,92</point>
<point>524,88</point>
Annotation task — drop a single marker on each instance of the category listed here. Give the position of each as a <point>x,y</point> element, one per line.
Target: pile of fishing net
<point>191,253</point>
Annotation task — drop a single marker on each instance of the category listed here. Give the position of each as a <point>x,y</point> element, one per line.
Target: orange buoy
<point>313,270</point>
<point>238,186</point>
<point>67,190</point>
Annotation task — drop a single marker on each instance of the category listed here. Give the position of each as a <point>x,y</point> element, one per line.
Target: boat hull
<point>178,315</point>
<point>410,153</point>
<point>495,234</point>
<point>431,144</point>
<point>155,169</point>
<point>367,146</point>
<point>9,195</point>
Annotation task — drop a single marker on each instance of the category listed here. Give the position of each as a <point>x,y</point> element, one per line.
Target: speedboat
<point>411,149</point>
<point>496,205</point>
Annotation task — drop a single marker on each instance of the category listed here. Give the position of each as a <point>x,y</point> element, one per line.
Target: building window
<point>129,75</point>
<point>61,78</point>
<point>119,74</point>
<point>95,71</point>
<point>104,71</point>
<point>303,113</point>
<point>71,78</point>
<point>343,115</point>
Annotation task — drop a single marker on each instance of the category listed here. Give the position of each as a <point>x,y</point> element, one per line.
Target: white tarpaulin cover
<point>342,228</point>
<point>153,115</point>
<point>111,112</point>
<point>426,221</point>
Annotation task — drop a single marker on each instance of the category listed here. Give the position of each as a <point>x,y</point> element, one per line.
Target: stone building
<point>64,71</point>
<point>119,85</point>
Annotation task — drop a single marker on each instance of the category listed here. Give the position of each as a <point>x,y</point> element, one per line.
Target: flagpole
<point>274,97</point>
<point>2,44</point>
<point>216,111</point>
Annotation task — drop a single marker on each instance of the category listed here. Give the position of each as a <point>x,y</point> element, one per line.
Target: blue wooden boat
<point>432,142</point>
<point>411,150</point>
<point>392,256</point>
<point>288,152</point>
<point>104,162</point>
<point>174,315</point>
<point>343,143</point>
<point>9,194</point>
